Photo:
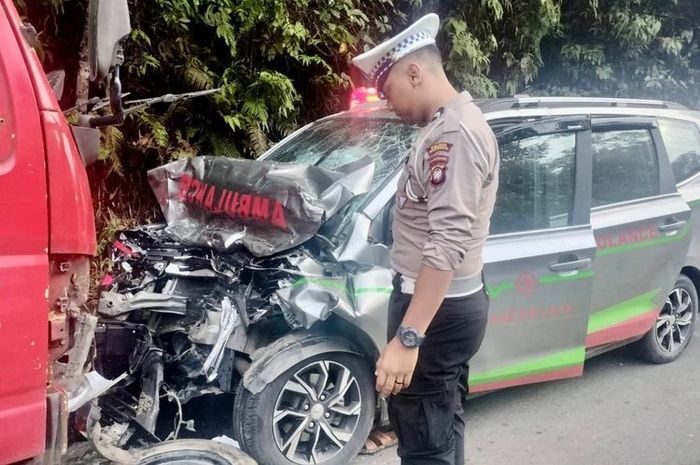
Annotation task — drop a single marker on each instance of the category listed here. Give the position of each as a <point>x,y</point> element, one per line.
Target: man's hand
<point>395,368</point>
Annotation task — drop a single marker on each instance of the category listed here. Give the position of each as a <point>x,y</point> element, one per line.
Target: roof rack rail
<point>553,102</point>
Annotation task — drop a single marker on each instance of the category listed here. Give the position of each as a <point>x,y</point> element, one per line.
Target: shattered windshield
<point>335,142</point>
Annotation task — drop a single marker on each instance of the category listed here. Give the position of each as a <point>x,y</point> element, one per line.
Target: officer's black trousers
<point>428,417</point>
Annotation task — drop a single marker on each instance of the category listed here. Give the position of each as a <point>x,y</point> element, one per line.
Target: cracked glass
<point>335,142</point>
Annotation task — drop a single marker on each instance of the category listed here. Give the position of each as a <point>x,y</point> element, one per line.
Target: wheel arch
<point>333,335</point>
<point>341,327</point>
<point>693,273</point>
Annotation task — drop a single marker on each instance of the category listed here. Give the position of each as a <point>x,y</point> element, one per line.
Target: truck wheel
<point>320,411</point>
<point>673,329</point>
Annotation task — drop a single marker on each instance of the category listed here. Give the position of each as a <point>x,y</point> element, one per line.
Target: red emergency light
<point>363,95</point>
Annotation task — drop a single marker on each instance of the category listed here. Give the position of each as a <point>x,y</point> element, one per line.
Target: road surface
<point>621,412</point>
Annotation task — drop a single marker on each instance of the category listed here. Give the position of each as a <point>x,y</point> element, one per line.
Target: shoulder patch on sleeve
<point>439,147</point>
<point>438,160</point>
<point>438,174</point>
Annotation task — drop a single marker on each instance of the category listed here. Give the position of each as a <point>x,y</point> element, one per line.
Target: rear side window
<point>625,166</point>
<point>536,187</point>
<point>682,142</point>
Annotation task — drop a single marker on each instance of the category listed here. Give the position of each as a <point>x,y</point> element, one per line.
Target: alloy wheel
<point>317,412</point>
<point>674,322</point>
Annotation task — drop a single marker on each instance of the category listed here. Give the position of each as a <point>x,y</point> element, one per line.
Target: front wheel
<point>673,329</point>
<point>320,411</point>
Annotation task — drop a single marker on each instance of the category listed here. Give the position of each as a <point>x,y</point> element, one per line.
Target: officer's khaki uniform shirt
<point>446,194</point>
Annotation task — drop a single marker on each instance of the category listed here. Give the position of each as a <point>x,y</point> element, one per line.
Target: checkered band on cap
<point>397,52</point>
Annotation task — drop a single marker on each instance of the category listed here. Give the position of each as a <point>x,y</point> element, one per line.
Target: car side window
<point>537,179</point>
<point>682,141</point>
<point>625,166</point>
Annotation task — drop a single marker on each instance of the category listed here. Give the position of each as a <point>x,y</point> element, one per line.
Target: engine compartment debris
<point>178,321</point>
<point>189,302</point>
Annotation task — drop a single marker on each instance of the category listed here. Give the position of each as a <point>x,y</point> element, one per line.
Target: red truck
<point>47,237</point>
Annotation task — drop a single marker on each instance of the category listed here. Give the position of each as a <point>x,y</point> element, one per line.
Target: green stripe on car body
<point>621,312</point>
<point>321,282</point>
<point>496,291</point>
<point>557,361</point>
<point>599,320</point>
<point>373,290</point>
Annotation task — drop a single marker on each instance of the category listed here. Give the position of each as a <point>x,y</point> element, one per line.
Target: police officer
<point>446,194</point>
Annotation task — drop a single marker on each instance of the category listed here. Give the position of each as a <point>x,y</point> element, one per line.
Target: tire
<point>339,424</point>
<point>192,452</point>
<point>674,327</point>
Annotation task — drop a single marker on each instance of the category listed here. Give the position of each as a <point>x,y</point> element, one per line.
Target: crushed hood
<point>267,207</point>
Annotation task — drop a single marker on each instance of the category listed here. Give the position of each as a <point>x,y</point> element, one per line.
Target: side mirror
<point>108,25</point>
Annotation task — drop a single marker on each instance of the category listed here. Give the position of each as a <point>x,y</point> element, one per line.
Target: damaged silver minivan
<point>271,279</point>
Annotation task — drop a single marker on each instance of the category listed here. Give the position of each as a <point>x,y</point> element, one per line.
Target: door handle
<point>667,227</point>
<point>573,265</point>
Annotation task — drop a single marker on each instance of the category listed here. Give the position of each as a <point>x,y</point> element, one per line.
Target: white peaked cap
<point>377,62</point>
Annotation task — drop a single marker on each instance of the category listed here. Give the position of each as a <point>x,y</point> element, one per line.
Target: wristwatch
<point>409,337</point>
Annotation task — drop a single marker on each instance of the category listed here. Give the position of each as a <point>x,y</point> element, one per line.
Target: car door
<point>538,257</point>
<point>641,226</point>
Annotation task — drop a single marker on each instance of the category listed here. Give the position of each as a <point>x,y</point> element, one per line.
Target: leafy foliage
<point>272,59</point>
<point>281,63</point>
<point>265,56</point>
<point>638,48</point>
<point>492,47</point>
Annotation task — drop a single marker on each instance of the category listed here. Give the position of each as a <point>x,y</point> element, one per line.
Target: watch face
<point>409,338</point>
